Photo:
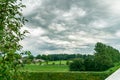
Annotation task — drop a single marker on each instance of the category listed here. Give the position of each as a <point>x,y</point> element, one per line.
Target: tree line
<point>56,57</point>
<point>104,58</point>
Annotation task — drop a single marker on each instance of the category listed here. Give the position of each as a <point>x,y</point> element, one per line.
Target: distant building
<point>38,60</point>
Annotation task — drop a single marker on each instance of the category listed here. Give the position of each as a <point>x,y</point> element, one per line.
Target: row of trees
<point>56,57</point>
<point>104,58</point>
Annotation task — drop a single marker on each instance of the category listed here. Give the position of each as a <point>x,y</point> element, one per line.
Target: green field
<point>61,72</point>
<point>56,67</point>
<point>56,62</point>
<point>45,68</point>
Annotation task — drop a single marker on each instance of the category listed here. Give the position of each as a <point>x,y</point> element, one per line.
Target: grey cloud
<point>48,46</point>
<point>95,20</point>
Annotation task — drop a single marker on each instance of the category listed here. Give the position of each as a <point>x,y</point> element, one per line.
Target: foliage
<point>103,59</point>
<point>103,63</point>
<point>56,57</point>
<point>77,65</point>
<point>45,68</point>
<point>58,68</point>
<point>67,62</point>
<point>89,64</point>
<point>102,49</point>
<point>50,72</point>
<point>66,76</point>
<point>11,22</point>
<point>105,56</point>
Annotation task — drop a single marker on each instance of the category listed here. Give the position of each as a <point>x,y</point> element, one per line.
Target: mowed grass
<point>63,62</point>
<point>61,72</point>
<point>45,68</point>
<point>59,68</point>
<point>51,66</point>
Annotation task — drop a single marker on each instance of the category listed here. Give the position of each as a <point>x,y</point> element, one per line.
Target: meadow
<point>61,72</point>
<point>45,68</point>
<point>54,66</point>
<point>58,66</point>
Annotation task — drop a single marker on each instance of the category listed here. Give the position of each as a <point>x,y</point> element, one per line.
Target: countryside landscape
<point>76,66</point>
<point>59,39</point>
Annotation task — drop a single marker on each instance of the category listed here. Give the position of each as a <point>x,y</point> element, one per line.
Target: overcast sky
<point>71,26</point>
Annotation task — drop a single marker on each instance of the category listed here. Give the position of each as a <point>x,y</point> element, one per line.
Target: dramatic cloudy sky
<point>71,26</point>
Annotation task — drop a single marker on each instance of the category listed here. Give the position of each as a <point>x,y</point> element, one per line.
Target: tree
<point>89,64</point>
<point>103,60</point>
<point>103,63</point>
<point>11,22</point>
<point>38,56</point>
<point>67,62</point>
<point>31,57</point>
<point>77,65</point>
<point>102,49</point>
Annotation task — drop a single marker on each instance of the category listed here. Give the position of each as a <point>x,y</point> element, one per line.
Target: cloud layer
<point>71,26</point>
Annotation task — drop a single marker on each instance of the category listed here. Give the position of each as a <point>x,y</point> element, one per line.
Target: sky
<point>70,26</point>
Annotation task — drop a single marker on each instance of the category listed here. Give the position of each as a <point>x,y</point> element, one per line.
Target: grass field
<point>45,68</point>
<point>56,62</point>
<point>61,72</point>
<point>56,67</point>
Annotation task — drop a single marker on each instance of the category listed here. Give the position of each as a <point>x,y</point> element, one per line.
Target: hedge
<point>66,76</point>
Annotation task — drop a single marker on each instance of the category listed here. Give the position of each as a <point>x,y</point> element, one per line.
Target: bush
<point>89,64</point>
<point>103,63</point>
<point>67,62</point>
<point>77,65</point>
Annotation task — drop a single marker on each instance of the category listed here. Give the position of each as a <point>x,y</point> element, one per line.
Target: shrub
<point>77,65</point>
<point>89,64</point>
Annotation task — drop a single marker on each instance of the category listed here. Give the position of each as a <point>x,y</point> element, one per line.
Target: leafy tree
<point>38,57</point>
<point>11,22</point>
<point>103,58</point>
<point>102,49</point>
<point>55,57</point>
<point>67,62</point>
<point>31,57</point>
<point>77,65</point>
<point>103,63</point>
<point>89,64</point>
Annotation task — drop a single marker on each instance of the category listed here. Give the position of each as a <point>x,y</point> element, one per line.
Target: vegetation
<point>56,57</point>
<point>11,22</point>
<point>56,72</point>
<point>103,59</point>
<point>77,65</point>
<point>45,68</point>
<point>58,68</point>
<point>67,76</point>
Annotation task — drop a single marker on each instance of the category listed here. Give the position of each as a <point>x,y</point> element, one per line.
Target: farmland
<point>56,71</point>
<point>46,68</point>
<point>57,67</point>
